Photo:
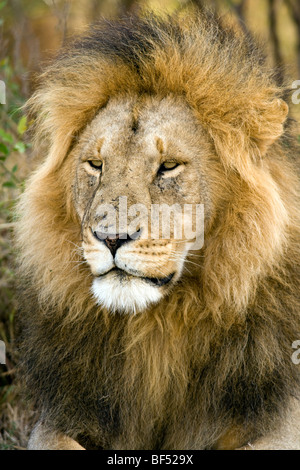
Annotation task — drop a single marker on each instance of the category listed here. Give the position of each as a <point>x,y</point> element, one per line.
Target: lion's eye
<point>167,166</point>
<point>96,164</point>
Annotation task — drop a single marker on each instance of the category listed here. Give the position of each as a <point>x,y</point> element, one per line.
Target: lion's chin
<point>128,294</point>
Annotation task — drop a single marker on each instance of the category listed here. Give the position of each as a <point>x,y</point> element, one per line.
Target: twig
<point>8,171</point>
<point>239,10</point>
<point>62,15</point>
<point>295,14</point>
<point>7,226</point>
<point>8,372</point>
<point>273,4</point>
<point>127,6</point>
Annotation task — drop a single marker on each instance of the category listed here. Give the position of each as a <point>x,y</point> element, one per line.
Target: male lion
<point>134,342</point>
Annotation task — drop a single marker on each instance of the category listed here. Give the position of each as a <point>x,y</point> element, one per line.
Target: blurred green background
<point>31,31</point>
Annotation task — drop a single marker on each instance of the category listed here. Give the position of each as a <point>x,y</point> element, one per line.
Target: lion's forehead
<point>148,118</point>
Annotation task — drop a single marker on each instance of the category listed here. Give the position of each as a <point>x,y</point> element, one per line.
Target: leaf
<point>3,4</point>
<point>6,137</point>
<point>9,184</point>
<point>22,125</point>
<point>3,149</point>
<point>14,169</point>
<point>20,147</point>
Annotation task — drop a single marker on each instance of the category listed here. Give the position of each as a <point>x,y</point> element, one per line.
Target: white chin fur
<point>130,295</point>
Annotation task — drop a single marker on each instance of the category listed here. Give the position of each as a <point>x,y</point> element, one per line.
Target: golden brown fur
<point>209,366</point>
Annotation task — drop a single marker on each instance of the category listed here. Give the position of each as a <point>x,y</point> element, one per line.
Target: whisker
<point>78,262</point>
<point>77,246</point>
<point>188,254</point>
<point>185,261</point>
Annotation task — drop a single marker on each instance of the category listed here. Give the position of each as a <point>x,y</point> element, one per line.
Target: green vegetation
<point>12,164</point>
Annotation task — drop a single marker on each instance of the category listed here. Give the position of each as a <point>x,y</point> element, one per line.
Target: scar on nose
<point>134,126</point>
<point>99,145</point>
<point>135,119</point>
<point>159,145</point>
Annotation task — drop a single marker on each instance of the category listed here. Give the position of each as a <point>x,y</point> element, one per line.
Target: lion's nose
<point>114,241</point>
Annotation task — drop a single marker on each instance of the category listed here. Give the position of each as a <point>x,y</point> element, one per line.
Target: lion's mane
<point>216,353</point>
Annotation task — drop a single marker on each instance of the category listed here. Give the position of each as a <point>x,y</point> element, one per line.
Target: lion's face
<point>137,156</point>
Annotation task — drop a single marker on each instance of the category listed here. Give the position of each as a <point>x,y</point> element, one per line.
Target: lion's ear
<point>241,142</point>
<point>266,125</point>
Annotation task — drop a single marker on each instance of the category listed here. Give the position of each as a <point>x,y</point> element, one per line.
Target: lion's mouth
<point>156,281</point>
